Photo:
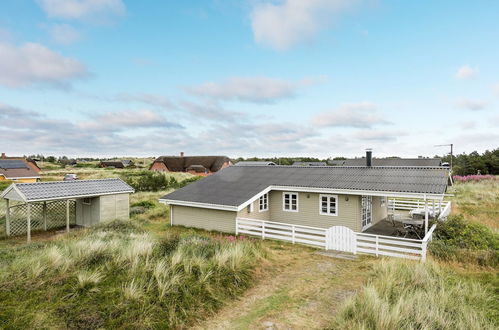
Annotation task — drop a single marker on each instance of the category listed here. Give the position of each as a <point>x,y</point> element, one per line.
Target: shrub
<point>458,232</point>
<point>145,204</point>
<point>473,178</point>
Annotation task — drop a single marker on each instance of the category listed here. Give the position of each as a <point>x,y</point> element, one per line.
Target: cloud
<point>82,9</point>
<point>210,111</point>
<point>64,34</point>
<point>466,72</point>
<point>358,115</point>
<point>146,98</point>
<point>375,135</point>
<point>122,120</point>
<point>32,63</point>
<point>252,89</point>
<point>290,22</point>
<point>496,89</point>
<point>473,105</point>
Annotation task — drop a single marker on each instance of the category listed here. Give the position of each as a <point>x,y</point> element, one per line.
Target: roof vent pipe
<point>369,157</point>
<point>182,154</point>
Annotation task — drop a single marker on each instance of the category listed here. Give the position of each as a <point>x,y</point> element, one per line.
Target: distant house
<point>197,165</point>
<point>309,164</point>
<point>425,162</point>
<point>30,162</point>
<point>112,164</point>
<point>18,169</point>
<point>127,162</point>
<point>255,163</point>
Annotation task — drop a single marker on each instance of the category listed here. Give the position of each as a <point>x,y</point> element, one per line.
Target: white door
<point>367,211</point>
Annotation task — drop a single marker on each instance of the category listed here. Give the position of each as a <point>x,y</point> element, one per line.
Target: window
<point>249,208</point>
<point>328,205</point>
<point>264,203</point>
<point>87,201</point>
<point>290,202</point>
<point>383,201</point>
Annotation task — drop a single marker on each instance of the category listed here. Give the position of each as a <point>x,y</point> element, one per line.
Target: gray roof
<point>389,162</point>
<point>42,191</point>
<point>235,185</point>
<point>309,164</point>
<point>12,164</point>
<point>254,163</point>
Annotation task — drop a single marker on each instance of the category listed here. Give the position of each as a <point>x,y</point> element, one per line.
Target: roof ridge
<point>61,181</point>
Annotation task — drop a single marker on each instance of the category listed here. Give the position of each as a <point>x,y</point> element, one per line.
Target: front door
<point>367,211</point>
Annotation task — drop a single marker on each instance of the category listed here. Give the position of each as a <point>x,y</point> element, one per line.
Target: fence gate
<point>341,238</point>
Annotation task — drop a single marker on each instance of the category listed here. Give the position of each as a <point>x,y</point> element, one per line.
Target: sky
<point>317,78</point>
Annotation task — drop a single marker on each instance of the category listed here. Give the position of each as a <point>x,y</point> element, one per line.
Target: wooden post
<point>28,230</point>
<point>237,225</point>
<point>425,215</point>
<point>293,234</point>
<point>67,215</point>
<point>423,251</point>
<point>45,216</point>
<point>7,218</point>
<point>263,230</point>
<point>433,210</point>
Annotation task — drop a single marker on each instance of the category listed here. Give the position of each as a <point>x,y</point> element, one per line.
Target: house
<point>88,202</point>
<point>18,170</point>
<point>251,199</point>
<point>197,165</point>
<point>127,162</point>
<point>309,164</point>
<point>388,162</point>
<point>255,163</point>
<point>111,164</point>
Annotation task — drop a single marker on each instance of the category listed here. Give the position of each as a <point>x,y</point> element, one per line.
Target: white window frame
<point>249,208</point>
<point>382,201</point>
<point>290,198</point>
<point>263,200</point>
<point>336,200</point>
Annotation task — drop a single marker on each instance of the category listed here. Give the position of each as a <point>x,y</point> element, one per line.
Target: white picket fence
<point>338,238</point>
<point>442,208</point>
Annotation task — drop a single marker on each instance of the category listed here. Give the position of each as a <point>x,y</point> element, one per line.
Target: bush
<point>154,181</point>
<point>457,239</point>
<point>461,233</point>
<point>145,204</point>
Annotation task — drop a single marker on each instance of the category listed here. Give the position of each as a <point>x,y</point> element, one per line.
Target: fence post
<point>263,229</point>
<point>67,215</point>
<point>293,233</point>
<point>7,218</point>
<point>423,251</point>
<point>45,216</point>
<point>237,227</point>
<point>28,230</point>
<point>377,245</point>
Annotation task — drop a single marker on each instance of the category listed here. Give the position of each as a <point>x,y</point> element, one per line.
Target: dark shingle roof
<point>16,168</point>
<point>389,162</point>
<point>309,164</point>
<point>181,163</point>
<point>70,189</point>
<point>237,184</point>
<point>254,163</point>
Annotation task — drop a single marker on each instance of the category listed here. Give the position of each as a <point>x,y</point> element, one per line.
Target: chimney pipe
<point>3,155</point>
<point>182,154</point>
<point>369,157</point>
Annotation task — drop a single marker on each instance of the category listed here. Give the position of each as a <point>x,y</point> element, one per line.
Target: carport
<point>92,201</point>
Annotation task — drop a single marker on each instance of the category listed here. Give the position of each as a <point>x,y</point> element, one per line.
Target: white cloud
<point>33,63</point>
<point>146,98</point>
<point>496,89</point>
<point>376,135</point>
<point>473,105</point>
<point>64,34</point>
<point>252,89</point>
<point>359,115</point>
<point>466,72</point>
<point>122,120</point>
<point>289,22</point>
<point>82,9</point>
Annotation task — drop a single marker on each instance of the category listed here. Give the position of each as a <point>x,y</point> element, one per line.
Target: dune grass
<point>119,276</point>
<point>478,201</point>
<point>408,295</point>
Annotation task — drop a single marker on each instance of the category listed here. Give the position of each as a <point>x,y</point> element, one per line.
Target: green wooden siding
<point>308,211</point>
<point>208,219</point>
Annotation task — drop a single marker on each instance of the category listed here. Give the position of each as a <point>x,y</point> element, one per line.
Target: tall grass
<point>117,276</point>
<point>406,295</point>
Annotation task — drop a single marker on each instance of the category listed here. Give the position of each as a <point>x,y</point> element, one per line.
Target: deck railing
<point>442,208</point>
<point>338,238</point>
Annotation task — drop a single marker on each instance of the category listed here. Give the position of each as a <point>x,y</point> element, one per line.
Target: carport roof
<point>56,190</point>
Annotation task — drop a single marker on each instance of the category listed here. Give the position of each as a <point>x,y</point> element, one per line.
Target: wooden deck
<point>384,227</point>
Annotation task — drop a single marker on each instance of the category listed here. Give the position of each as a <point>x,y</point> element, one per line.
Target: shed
<point>94,201</point>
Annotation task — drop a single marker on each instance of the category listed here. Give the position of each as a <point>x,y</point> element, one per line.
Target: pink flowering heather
<point>473,178</point>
